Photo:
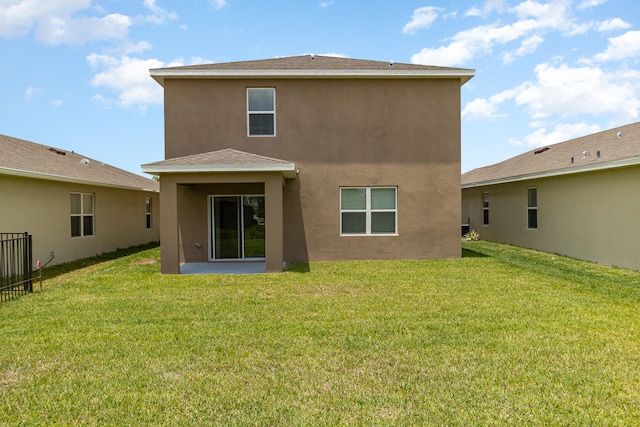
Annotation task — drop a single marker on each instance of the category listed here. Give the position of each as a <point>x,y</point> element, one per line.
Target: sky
<point>75,73</point>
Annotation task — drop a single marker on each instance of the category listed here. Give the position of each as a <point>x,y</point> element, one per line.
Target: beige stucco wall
<point>590,216</point>
<point>342,132</point>
<point>42,208</point>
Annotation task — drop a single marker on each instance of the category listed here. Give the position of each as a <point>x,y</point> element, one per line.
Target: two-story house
<point>309,158</point>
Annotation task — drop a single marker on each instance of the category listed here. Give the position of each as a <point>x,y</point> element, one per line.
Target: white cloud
<point>218,4</point>
<point>56,103</point>
<point>486,109</point>
<point>590,3</point>
<point>422,18</point>
<point>30,92</point>
<point>57,30</point>
<point>612,25</point>
<point>489,6</point>
<point>533,19</point>
<point>621,47</point>
<point>129,77</point>
<point>326,4</point>
<point>527,47</point>
<point>561,132</point>
<point>160,15</point>
<point>60,21</point>
<point>567,91</point>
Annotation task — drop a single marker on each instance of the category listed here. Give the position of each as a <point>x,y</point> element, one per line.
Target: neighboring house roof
<point>613,148</point>
<point>311,66</point>
<point>28,159</point>
<point>227,160</point>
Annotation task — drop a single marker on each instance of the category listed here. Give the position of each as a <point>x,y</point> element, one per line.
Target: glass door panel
<point>238,227</point>
<point>226,227</point>
<point>253,226</point>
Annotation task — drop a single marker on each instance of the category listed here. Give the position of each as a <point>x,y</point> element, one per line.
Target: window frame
<point>82,215</point>
<point>262,112</point>
<point>148,206</point>
<point>532,209</point>
<point>368,211</point>
<point>485,208</point>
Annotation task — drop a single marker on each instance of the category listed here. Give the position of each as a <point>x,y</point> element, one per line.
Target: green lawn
<point>503,336</point>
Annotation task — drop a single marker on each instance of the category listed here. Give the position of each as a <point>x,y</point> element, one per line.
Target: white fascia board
<point>160,74</point>
<point>633,161</point>
<point>60,178</point>
<point>287,169</point>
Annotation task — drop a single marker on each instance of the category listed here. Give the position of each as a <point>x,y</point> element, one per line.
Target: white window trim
<point>249,113</point>
<point>148,217</point>
<point>486,208</point>
<point>81,215</point>
<point>368,211</point>
<point>532,208</point>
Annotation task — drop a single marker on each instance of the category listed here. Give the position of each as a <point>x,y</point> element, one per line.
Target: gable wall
<point>42,208</point>
<point>403,133</point>
<point>589,216</point>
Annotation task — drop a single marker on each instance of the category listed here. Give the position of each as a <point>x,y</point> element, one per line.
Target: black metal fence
<point>16,273</point>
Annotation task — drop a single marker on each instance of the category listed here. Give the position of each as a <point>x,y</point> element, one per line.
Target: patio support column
<point>274,239</point>
<point>169,244</point>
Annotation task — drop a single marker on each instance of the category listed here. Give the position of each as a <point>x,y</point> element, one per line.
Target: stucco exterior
<point>339,132</point>
<point>587,210</point>
<point>42,208</point>
<point>590,216</point>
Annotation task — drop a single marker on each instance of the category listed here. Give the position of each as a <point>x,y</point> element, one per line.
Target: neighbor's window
<point>261,111</point>
<point>485,208</point>
<point>532,208</point>
<point>368,210</point>
<point>82,217</point>
<point>148,212</point>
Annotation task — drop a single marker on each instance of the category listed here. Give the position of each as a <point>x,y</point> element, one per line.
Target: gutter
<point>60,178</point>
<point>614,164</point>
<point>161,74</point>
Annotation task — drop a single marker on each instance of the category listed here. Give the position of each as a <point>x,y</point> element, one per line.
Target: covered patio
<point>194,190</point>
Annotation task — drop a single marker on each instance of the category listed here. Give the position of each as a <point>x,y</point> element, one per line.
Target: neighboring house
<point>309,158</point>
<point>579,198</point>
<point>73,206</point>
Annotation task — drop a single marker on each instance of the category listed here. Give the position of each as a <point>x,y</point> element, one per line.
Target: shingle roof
<point>227,160</point>
<point>24,158</point>
<point>607,149</point>
<point>310,66</point>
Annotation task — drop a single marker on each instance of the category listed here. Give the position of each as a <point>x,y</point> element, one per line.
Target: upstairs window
<point>82,219</point>
<point>485,208</point>
<point>532,208</point>
<point>261,111</point>
<point>368,210</point>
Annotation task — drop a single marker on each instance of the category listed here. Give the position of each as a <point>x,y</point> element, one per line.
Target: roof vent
<point>619,135</point>
<point>571,159</point>
<point>85,162</point>
<point>55,150</point>
<point>585,154</point>
<point>542,150</point>
<point>390,63</point>
<point>598,154</point>
<point>312,56</point>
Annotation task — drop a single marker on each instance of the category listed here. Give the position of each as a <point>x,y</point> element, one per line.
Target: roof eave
<point>288,170</point>
<point>161,74</point>
<point>59,178</point>
<point>614,164</point>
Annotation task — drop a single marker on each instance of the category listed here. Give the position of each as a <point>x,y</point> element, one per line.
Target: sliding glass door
<point>237,227</point>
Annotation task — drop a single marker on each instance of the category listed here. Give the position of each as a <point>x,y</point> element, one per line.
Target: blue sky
<point>75,72</point>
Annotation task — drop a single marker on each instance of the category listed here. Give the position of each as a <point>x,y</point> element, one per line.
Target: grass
<point>503,336</point>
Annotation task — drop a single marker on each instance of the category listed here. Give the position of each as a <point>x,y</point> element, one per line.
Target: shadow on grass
<point>298,267</point>
<point>468,253</point>
<point>67,267</point>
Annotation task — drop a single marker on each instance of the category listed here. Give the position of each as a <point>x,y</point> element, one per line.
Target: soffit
<point>28,159</point>
<point>613,148</point>
<point>222,161</point>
